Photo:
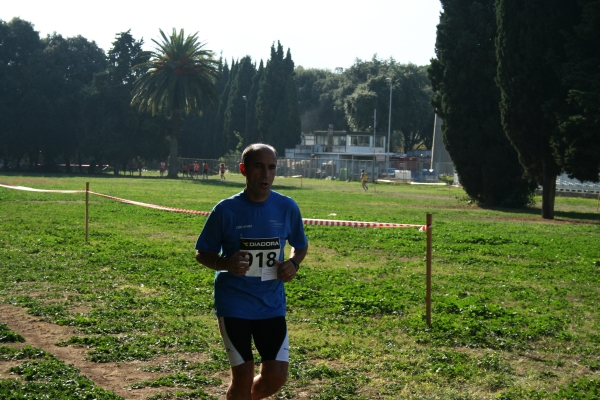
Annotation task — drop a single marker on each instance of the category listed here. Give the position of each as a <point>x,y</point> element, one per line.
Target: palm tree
<point>180,76</point>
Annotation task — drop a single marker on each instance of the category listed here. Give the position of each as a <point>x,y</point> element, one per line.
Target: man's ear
<point>243,169</point>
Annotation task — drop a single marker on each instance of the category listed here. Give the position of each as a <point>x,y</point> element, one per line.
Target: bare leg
<point>242,377</point>
<point>273,375</point>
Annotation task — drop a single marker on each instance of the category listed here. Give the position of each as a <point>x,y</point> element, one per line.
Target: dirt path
<point>115,377</point>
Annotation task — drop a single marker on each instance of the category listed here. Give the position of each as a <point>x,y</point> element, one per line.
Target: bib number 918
<point>270,261</point>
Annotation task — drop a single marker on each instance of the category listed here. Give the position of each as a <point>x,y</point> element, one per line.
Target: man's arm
<point>287,271</point>
<point>298,255</point>
<point>237,264</point>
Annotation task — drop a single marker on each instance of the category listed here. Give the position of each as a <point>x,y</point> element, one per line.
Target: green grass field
<point>515,298</point>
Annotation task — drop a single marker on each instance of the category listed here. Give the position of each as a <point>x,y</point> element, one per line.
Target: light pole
<point>374,140</point>
<point>389,80</point>
<point>246,118</point>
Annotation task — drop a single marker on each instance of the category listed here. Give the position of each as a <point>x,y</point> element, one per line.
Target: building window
<point>309,140</point>
<point>362,141</point>
<point>339,140</point>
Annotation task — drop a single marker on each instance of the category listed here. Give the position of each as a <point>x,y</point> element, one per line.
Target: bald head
<point>252,149</point>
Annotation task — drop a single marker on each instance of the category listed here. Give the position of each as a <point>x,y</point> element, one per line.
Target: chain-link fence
<point>335,169</point>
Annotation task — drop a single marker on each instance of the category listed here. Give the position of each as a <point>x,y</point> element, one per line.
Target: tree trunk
<point>80,166</point>
<point>548,195</point>
<point>67,164</point>
<point>175,127</point>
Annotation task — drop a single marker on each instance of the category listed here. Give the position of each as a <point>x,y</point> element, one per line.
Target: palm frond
<point>180,74</point>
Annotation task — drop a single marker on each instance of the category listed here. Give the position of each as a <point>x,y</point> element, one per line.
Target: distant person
<point>184,169</point>
<point>196,169</point>
<point>363,179</point>
<point>244,240</point>
<point>205,170</point>
<point>140,167</point>
<point>191,170</point>
<point>131,168</point>
<point>222,171</point>
<point>162,168</point>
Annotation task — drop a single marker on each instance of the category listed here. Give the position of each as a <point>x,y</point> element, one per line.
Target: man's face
<point>259,173</point>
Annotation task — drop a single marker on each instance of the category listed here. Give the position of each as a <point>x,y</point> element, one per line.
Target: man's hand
<point>237,264</point>
<point>285,270</point>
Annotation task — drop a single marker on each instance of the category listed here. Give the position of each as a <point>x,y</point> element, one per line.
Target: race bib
<point>262,255</point>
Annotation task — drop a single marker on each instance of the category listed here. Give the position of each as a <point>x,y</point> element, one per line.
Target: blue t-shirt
<point>238,223</point>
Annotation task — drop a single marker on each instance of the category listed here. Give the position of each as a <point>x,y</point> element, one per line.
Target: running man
<point>363,179</point>
<point>244,240</point>
<point>222,171</point>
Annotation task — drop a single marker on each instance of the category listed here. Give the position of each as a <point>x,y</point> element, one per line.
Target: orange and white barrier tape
<point>306,221</point>
<point>358,224</point>
<point>41,190</point>
<point>137,203</point>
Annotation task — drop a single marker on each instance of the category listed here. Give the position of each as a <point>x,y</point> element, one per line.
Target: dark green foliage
<point>19,42</point>
<point>277,112</point>
<point>113,130</point>
<point>141,347</point>
<point>235,119</point>
<point>579,145</point>
<point>347,98</point>
<point>72,63</point>
<point>253,132</point>
<point>202,136</point>
<point>466,98</point>
<point>52,380</point>
<point>316,90</point>
<point>412,115</point>
<point>178,380</point>
<point>178,79</point>
<point>530,46</point>
<point>27,352</point>
<point>8,336</point>
<point>180,394</point>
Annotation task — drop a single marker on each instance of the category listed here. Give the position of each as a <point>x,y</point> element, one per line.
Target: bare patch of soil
<point>112,376</point>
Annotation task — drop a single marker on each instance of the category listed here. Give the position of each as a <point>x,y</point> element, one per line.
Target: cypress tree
<point>199,135</point>
<point>579,144</point>
<point>278,115</point>
<point>235,114</point>
<point>219,139</point>
<point>466,97</point>
<point>253,132</point>
<point>530,44</point>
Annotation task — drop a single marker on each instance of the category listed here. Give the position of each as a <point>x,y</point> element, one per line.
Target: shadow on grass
<point>216,182</point>
<point>573,216</point>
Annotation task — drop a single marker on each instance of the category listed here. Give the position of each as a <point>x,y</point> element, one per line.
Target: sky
<point>322,34</point>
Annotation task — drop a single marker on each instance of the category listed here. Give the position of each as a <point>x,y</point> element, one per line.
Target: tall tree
<point>69,65</point>
<point>18,42</point>
<point>579,145</point>
<point>277,111</point>
<point>530,44</point>
<point>253,133</point>
<point>113,129</point>
<point>236,112</point>
<point>180,78</point>
<point>412,115</point>
<point>466,97</point>
<point>200,137</point>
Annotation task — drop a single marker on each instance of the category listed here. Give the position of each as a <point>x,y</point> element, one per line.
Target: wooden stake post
<point>87,198</point>
<point>428,273</point>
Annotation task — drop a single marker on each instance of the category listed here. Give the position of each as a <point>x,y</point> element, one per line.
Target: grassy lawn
<point>515,298</point>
